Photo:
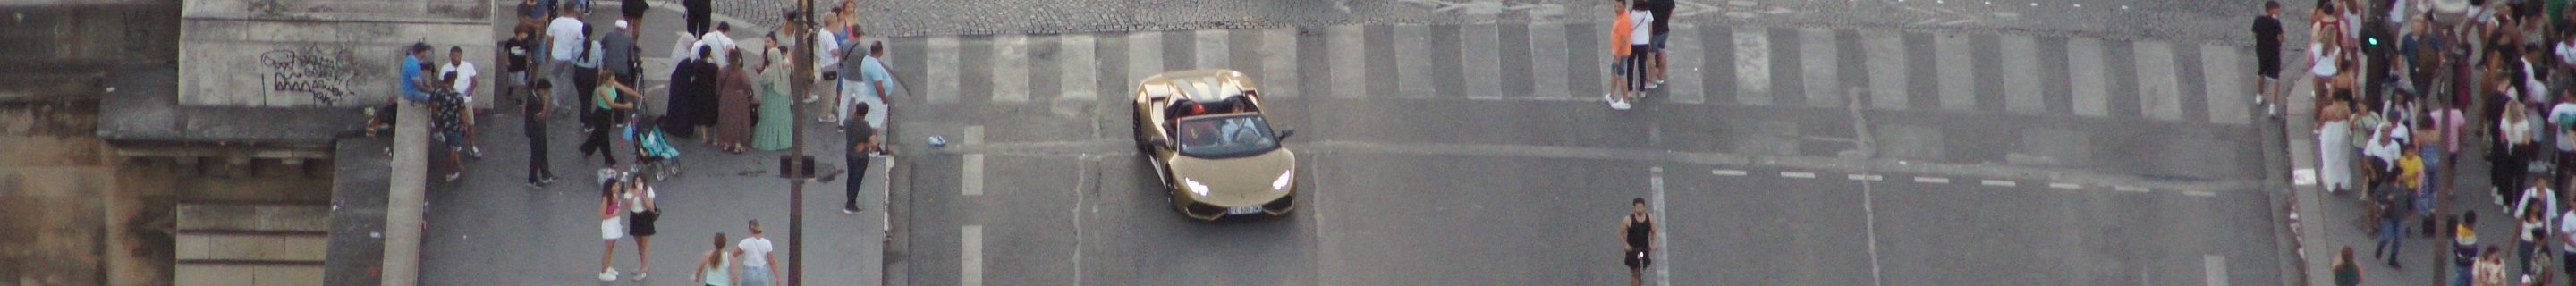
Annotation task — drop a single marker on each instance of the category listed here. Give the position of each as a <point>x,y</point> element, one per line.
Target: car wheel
<point>1136,128</point>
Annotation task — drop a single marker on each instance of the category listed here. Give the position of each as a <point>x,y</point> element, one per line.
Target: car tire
<point>1136,128</point>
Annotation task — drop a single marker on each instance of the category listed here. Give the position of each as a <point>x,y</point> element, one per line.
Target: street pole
<point>798,83</point>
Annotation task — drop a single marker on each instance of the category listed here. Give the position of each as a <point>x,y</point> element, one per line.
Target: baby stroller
<point>653,152</point>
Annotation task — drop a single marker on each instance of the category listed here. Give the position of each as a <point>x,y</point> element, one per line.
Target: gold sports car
<point>1211,148</point>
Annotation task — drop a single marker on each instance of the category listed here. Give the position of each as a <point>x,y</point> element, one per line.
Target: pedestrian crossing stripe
<point>1709,64</point>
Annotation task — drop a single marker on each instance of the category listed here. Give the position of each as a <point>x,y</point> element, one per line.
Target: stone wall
<point>289,53</point>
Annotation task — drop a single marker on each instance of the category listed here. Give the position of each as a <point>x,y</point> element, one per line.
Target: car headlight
<point>1281,185</point>
<point>1195,187</point>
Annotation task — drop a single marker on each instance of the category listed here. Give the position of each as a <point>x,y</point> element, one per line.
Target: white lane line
<point>1663,271</point>
<point>974,175</point>
<point>1999,183</point>
<point>2213,270</point>
<point>970,256</point>
<point>1734,173</point>
<point>2200,193</point>
<point>2066,186</point>
<point>2129,189</point>
<point>1010,68</point>
<point>1864,177</point>
<point>1800,175</point>
<point>1934,180</point>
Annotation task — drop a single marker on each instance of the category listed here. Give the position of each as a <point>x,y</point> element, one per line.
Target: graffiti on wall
<point>328,74</point>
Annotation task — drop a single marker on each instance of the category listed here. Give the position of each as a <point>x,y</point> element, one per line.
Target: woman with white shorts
<point>611,226</point>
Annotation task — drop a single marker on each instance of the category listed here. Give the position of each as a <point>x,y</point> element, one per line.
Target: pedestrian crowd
<point>1637,37</point>
<point>2403,87</point>
<point>732,98</point>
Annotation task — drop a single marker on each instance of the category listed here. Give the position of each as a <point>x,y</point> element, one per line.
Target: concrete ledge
<point>283,275</point>
<point>193,217</point>
<point>252,247</point>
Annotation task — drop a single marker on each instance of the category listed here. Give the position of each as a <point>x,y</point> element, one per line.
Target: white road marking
<point>1144,55</point>
<point>2021,75</point>
<point>943,70</point>
<point>2225,79</point>
<point>2213,270</point>
<point>1864,177</point>
<point>1481,57</point>
<point>1278,63</point>
<point>1548,56</point>
<point>970,256</point>
<point>2200,193</point>
<point>1752,67</point>
<point>1210,46</point>
<point>1413,68</point>
<point>1081,67</point>
<point>2303,176</point>
<point>1934,180</point>
<point>1010,68</point>
<point>1884,60</point>
<point>1682,60</point>
<point>2159,90</point>
<point>2067,186</point>
<point>974,135</point>
<point>1817,68</point>
<point>2129,189</point>
<point>1734,173</point>
<point>1801,175</point>
<point>1999,183</point>
<point>1663,271</point>
<point>2092,87</point>
<point>974,175</point>
<point>1956,58</point>
<point>1349,57</point>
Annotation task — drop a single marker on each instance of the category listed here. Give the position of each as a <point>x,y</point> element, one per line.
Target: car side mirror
<point>1159,142</point>
<point>1284,133</point>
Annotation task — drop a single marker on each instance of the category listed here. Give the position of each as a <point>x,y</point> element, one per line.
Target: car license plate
<point>1243,210</point>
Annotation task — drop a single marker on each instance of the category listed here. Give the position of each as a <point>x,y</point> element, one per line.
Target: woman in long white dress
<point>2334,145</point>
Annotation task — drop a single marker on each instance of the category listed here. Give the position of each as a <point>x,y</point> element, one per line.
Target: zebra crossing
<point>1711,64</point>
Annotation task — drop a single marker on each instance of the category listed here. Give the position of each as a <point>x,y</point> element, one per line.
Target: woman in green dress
<point>776,126</point>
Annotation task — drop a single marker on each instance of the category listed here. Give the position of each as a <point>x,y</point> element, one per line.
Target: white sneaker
<point>1619,105</point>
<point>639,276</point>
<point>609,275</point>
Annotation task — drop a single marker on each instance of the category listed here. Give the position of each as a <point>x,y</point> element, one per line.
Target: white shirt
<point>464,77</point>
<point>755,251</point>
<point>1642,35</point>
<point>2567,224</point>
<point>2531,85</point>
<point>2566,53</point>
<point>566,33</point>
<point>829,59</point>
<point>2540,194</point>
<point>635,204</point>
<point>716,43</point>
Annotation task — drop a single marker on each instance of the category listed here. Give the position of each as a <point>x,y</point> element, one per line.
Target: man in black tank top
<point>1638,232</point>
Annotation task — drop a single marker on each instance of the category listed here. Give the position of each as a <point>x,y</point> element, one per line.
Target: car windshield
<point>1224,136</point>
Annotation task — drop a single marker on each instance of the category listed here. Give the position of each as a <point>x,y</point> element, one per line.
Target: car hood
<point>1238,181</point>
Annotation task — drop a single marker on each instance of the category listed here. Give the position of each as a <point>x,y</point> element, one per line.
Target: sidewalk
<point>2328,222</point>
<point>490,228</point>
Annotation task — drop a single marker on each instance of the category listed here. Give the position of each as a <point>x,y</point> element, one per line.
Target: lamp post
<point>799,83</point>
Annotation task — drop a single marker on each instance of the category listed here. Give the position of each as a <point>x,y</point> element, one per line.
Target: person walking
<point>611,226</point>
<point>586,72</point>
<point>1637,229</point>
<point>2267,57</point>
<point>641,213</point>
<point>697,12</point>
<point>515,65</point>
<point>611,98</point>
<point>863,81</point>
<point>564,38</point>
<point>2347,273</point>
<point>715,268</point>
<point>2515,130</point>
<point>863,145</point>
<point>2391,229</point>
<point>734,103</point>
<point>754,253</point>
<point>465,76</point>
<point>777,127</point>
<point>533,111</point>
